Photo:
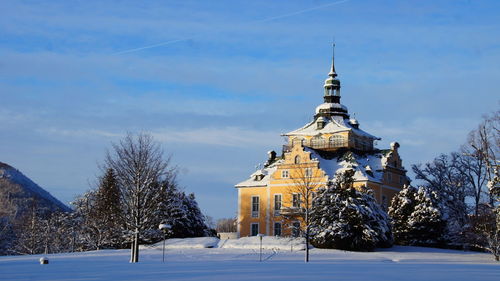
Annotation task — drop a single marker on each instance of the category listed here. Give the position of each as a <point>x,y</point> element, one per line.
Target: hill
<point>21,190</point>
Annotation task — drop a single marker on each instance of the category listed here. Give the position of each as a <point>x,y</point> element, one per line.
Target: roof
<point>333,125</point>
<point>367,167</point>
<point>265,172</point>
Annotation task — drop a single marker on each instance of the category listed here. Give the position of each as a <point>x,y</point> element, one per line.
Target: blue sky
<point>226,78</point>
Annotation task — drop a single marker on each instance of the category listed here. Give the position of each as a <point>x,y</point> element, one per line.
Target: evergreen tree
<point>345,218</point>
<point>427,224</point>
<point>181,211</point>
<point>195,217</point>
<point>107,211</point>
<point>400,210</point>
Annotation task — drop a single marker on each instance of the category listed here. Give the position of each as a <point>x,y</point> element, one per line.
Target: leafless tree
<point>444,175</point>
<point>486,145</point>
<point>8,209</point>
<point>304,179</point>
<point>140,166</point>
<point>485,142</point>
<point>226,225</point>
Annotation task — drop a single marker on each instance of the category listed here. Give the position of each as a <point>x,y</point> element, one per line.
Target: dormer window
<point>320,123</point>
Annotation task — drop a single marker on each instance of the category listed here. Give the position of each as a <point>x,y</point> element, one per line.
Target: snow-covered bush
<point>345,218</point>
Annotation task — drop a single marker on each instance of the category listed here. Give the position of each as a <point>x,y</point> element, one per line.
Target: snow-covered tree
<point>427,223</point>
<point>181,211</point>
<point>8,215</point>
<point>140,165</point>
<point>418,217</point>
<point>345,218</point>
<point>30,231</point>
<point>400,211</point>
<point>444,177</point>
<point>195,217</point>
<point>107,210</point>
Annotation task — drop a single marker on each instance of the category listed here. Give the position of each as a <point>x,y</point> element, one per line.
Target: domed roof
<point>329,107</point>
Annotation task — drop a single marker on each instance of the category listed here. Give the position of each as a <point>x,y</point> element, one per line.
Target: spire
<point>331,100</point>
<point>332,73</point>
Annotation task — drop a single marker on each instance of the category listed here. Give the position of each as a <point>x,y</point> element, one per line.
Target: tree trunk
<point>132,250</point>
<point>136,246</point>
<point>307,226</point>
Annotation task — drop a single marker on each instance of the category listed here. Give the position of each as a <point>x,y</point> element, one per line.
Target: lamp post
<point>260,237</point>
<point>165,228</point>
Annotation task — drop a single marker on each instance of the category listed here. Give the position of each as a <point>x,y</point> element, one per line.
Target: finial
<point>332,70</point>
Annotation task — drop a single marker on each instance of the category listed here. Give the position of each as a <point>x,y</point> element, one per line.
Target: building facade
<point>271,199</point>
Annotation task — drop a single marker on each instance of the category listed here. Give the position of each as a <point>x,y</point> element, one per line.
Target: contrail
<point>257,21</point>
<point>153,46</point>
<point>301,11</point>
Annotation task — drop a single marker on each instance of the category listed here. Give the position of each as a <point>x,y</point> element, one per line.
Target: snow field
<point>231,263</point>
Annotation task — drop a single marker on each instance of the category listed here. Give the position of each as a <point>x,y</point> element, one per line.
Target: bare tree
<point>486,144</point>
<point>473,166</point>
<point>226,225</point>
<point>304,179</point>
<point>8,213</point>
<point>140,166</point>
<point>444,175</point>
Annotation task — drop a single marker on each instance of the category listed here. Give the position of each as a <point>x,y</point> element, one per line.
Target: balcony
<point>319,144</point>
<point>291,211</point>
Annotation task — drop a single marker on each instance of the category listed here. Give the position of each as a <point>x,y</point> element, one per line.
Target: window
<point>401,179</point>
<point>277,229</point>
<point>254,229</point>
<point>308,172</point>
<point>255,206</point>
<point>318,141</point>
<point>389,177</point>
<point>277,204</point>
<point>313,196</point>
<point>296,229</point>
<point>296,200</point>
<point>297,159</point>
<point>384,202</point>
<point>336,141</point>
<point>285,174</point>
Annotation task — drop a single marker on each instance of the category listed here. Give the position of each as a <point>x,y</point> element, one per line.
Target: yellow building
<point>271,200</point>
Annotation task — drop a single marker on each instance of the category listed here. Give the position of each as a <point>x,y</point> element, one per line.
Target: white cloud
<point>226,136</point>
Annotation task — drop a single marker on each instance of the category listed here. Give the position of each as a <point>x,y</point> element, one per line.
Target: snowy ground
<point>194,262</point>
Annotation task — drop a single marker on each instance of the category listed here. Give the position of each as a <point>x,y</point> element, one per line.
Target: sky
<point>217,82</point>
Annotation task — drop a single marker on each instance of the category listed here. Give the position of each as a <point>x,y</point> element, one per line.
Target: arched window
<point>297,159</point>
<point>317,142</point>
<point>336,141</point>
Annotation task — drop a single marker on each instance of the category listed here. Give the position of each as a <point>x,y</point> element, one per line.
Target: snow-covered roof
<point>367,167</point>
<point>333,125</point>
<point>260,177</point>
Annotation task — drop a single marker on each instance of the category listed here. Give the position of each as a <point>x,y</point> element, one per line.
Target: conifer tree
<point>400,210</point>
<point>107,210</point>
<point>427,224</point>
<point>345,218</point>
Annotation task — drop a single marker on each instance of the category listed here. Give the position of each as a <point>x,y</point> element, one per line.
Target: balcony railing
<point>291,211</point>
<point>321,145</point>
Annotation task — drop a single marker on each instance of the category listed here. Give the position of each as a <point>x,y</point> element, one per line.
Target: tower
<point>270,201</point>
